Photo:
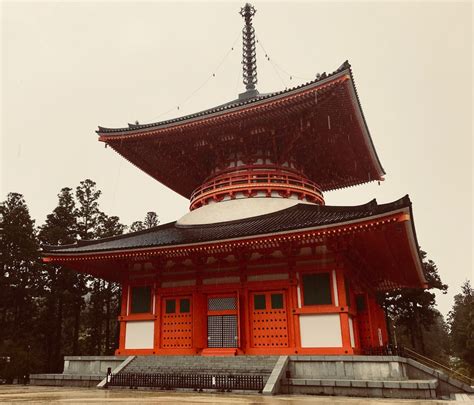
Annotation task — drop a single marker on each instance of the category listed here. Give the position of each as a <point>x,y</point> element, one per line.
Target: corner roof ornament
<point>249,58</point>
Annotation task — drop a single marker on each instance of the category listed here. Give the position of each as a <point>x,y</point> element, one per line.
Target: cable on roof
<point>271,62</point>
<point>212,75</point>
<point>277,67</point>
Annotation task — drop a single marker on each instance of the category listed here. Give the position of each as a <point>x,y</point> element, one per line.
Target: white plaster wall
<point>139,335</point>
<point>236,209</point>
<point>321,330</point>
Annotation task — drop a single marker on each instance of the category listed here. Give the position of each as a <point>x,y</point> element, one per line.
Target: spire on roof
<point>249,61</point>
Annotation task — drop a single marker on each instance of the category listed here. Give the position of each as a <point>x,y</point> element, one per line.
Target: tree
<point>87,213</point>
<point>102,310</point>
<point>151,220</point>
<point>64,288</point>
<point>412,310</point>
<point>109,226</point>
<point>20,283</point>
<point>88,218</point>
<point>137,226</point>
<point>461,322</point>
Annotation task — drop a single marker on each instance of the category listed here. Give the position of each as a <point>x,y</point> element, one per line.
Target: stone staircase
<point>248,365</point>
<point>238,373</point>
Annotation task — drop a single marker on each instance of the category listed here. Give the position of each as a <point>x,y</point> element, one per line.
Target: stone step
<point>251,365</point>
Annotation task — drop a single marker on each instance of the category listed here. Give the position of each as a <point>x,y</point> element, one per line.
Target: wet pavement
<point>46,395</point>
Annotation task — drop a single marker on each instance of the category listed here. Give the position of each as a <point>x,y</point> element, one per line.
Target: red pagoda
<point>260,265</point>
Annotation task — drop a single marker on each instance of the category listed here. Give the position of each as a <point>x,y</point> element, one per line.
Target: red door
<point>269,319</point>
<point>176,323</point>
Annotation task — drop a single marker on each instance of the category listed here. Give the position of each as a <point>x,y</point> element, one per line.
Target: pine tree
<point>102,311</point>
<point>87,212</point>
<point>137,226</point>
<point>151,220</point>
<point>63,286</point>
<point>412,310</point>
<point>20,283</point>
<point>461,321</point>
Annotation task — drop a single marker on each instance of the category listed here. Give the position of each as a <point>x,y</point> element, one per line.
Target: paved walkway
<point>46,395</point>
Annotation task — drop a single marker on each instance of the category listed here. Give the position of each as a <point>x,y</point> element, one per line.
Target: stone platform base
<point>66,380</point>
<point>412,389</point>
<point>79,371</point>
<point>360,376</point>
<point>367,376</point>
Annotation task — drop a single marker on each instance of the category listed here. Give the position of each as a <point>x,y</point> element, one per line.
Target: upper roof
<point>319,125</point>
<point>239,102</point>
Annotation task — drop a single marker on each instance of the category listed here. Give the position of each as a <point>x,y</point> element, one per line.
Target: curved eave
<point>118,138</point>
<point>415,247</point>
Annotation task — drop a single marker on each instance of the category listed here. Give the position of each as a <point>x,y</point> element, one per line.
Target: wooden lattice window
<point>317,289</point>
<point>140,300</point>
<point>184,305</point>
<point>259,301</point>
<point>277,301</point>
<point>170,306</point>
<point>347,288</point>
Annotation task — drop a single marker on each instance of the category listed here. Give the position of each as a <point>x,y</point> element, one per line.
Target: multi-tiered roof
<point>287,145</point>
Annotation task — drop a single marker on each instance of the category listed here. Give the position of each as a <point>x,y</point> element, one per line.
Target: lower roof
<point>378,241</point>
<point>298,217</point>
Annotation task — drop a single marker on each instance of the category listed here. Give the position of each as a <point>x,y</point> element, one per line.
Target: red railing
<point>252,180</point>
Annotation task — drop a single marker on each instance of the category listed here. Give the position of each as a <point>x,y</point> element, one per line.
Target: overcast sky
<point>70,66</point>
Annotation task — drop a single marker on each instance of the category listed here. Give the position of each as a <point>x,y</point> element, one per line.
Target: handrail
<point>433,363</point>
<point>251,179</point>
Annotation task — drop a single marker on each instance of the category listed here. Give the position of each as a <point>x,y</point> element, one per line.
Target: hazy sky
<point>70,66</point>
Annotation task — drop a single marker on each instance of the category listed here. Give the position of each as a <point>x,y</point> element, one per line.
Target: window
<point>277,301</point>
<point>141,300</point>
<point>360,303</point>
<point>317,289</point>
<point>221,303</point>
<point>170,306</point>
<point>184,305</point>
<point>259,301</point>
<point>347,286</point>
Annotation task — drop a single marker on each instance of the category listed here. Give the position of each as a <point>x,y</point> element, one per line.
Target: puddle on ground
<point>48,395</point>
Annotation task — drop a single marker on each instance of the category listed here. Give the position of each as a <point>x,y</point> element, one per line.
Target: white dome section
<point>232,210</point>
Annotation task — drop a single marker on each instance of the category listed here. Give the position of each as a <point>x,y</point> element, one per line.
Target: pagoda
<point>259,265</point>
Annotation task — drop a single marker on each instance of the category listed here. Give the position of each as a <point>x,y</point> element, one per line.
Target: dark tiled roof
<point>227,106</point>
<point>298,217</point>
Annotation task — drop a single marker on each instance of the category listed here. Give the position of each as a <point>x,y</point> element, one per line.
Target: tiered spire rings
<point>249,61</point>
